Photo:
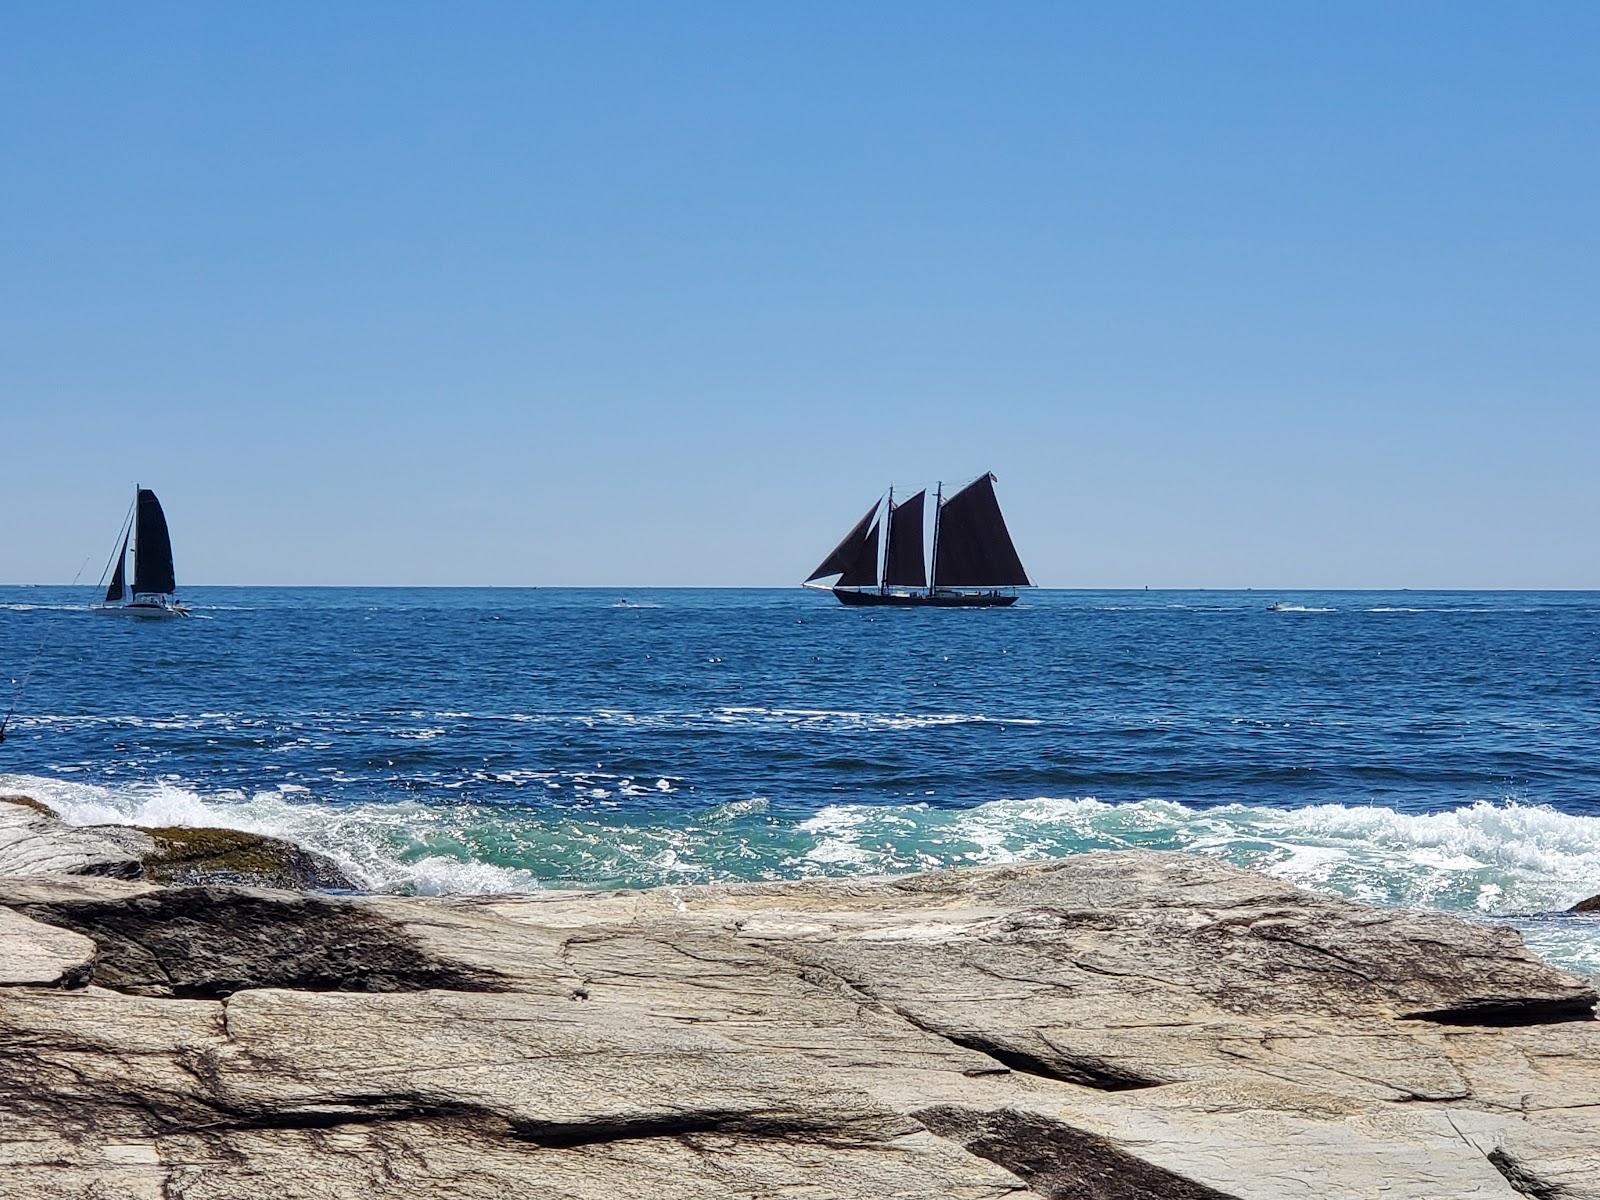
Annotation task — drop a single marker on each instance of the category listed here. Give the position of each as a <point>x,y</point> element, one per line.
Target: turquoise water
<point>1439,749</point>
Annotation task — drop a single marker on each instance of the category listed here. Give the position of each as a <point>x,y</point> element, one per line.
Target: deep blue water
<point>1423,747</point>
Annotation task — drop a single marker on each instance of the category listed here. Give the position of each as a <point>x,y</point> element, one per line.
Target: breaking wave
<point>1507,860</point>
<point>390,847</point>
<point>1520,862</point>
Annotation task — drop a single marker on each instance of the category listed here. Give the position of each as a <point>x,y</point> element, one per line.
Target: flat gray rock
<point>34,841</point>
<point>32,952</point>
<point>1129,1026</point>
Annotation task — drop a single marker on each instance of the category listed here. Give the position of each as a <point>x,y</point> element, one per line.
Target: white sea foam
<point>825,718</point>
<point>818,719</point>
<point>381,846</point>
<point>1384,608</point>
<point>734,809</point>
<point>442,875</point>
<point>1506,861</point>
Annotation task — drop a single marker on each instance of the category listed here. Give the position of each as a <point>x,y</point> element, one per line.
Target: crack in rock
<point>1061,1066</point>
<point>1059,1161</point>
<point>1511,1012</point>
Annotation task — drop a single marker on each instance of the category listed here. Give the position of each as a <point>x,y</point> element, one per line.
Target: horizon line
<point>783,587</point>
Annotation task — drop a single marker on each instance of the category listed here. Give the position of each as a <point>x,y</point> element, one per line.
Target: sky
<point>1226,295</point>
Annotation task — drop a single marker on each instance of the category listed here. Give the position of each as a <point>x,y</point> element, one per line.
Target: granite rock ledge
<point>1116,1026</point>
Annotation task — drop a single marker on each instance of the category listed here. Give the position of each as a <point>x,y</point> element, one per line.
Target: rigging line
<point>44,634</point>
<point>126,523</point>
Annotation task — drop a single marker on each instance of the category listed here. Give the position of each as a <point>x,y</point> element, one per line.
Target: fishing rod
<point>22,687</point>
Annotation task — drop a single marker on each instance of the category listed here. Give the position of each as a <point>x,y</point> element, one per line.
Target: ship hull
<point>924,599</point>
<point>143,612</point>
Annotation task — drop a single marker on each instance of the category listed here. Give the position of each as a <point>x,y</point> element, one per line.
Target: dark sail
<point>119,579</point>
<point>974,548</point>
<point>903,565</point>
<point>152,552</point>
<point>856,555</point>
<point>863,572</point>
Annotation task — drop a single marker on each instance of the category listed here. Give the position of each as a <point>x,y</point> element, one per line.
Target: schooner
<point>975,564</point>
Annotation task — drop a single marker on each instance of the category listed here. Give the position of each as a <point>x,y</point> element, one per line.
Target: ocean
<point>1421,748</point>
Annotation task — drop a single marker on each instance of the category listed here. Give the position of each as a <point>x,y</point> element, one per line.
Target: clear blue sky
<point>1226,294</point>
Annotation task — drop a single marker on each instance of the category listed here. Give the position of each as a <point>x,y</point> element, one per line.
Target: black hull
<point>924,599</point>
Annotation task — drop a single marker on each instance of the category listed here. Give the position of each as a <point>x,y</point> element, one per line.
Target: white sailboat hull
<point>144,611</point>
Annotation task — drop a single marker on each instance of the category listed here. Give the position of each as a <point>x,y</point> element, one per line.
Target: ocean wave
<point>1506,860</point>
<point>1384,608</point>
<point>1488,857</point>
<point>290,731</point>
<point>734,809</point>
<point>1492,860</point>
<point>845,719</point>
<point>390,847</point>
<point>815,719</point>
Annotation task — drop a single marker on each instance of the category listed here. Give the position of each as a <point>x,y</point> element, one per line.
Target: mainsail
<point>855,559</point>
<point>152,556</point>
<point>972,547</point>
<point>119,578</point>
<point>903,564</point>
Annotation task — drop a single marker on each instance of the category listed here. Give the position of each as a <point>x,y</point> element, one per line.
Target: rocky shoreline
<point>34,841</point>
<point>1117,1026</point>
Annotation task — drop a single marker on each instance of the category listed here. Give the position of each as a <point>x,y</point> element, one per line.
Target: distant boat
<point>144,533</point>
<point>973,556</point>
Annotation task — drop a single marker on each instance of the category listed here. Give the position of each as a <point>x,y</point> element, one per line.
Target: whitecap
<point>1503,860</point>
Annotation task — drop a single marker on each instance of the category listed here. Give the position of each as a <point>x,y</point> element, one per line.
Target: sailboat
<point>975,564</point>
<point>152,596</point>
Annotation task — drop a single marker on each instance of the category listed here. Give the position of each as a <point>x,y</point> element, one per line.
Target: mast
<point>133,535</point>
<point>938,506</point>
<point>888,541</point>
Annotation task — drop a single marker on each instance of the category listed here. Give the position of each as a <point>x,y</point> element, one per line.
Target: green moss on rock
<point>186,855</point>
